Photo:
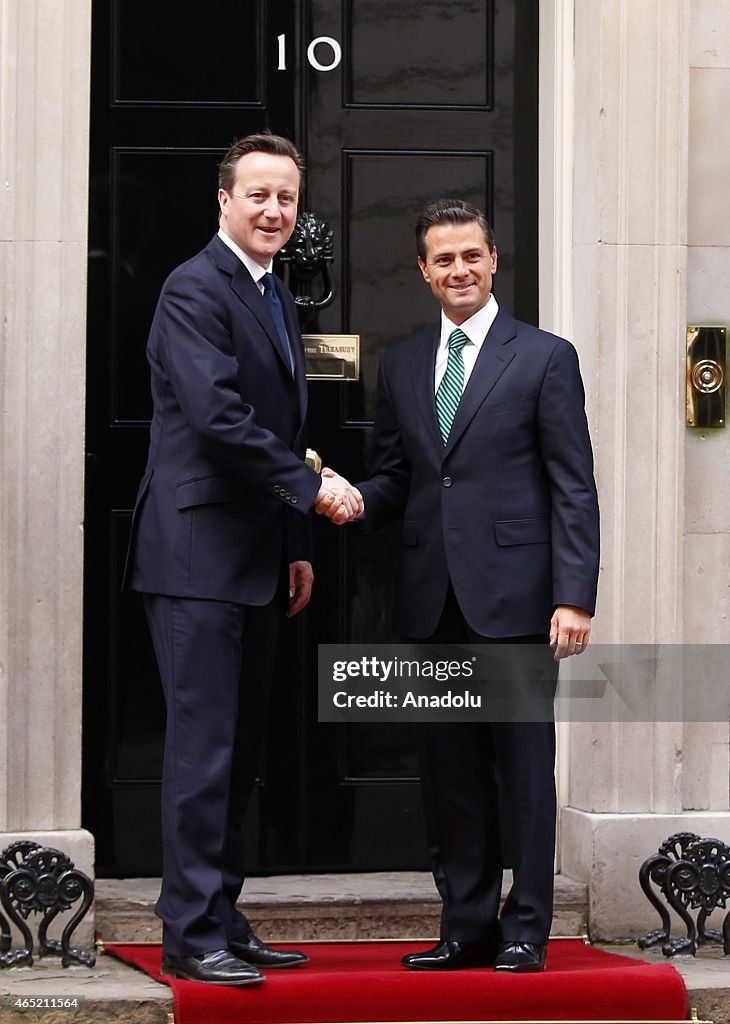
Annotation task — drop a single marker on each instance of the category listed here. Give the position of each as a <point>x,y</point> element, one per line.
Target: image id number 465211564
<point>40,1004</point>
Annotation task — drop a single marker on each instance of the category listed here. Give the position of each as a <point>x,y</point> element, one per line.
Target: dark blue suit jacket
<point>222,503</point>
<point>507,510</point>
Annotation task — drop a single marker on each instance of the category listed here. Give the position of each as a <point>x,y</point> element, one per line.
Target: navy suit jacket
<point>507,510</point>
<point>221,507</point>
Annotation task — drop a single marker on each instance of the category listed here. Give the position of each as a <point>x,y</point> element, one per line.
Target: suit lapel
<point>244,286</point>
<point>297,351</point>
<point>493,359</point>
<point>423,379</point>
<point>248,292</point>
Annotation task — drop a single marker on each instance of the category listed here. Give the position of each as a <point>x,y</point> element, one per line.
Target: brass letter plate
<point>332,356</point>
<point>706,376</point>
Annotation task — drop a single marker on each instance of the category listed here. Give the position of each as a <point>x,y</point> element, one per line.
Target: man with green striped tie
<point>481,447</point>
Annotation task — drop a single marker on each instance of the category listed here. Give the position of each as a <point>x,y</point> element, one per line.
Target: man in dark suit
<point>220,546</point>
<point>481,447</point>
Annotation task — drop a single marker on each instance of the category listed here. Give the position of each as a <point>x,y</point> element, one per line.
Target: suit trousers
<point>215,660</point>
<point>490,802</point>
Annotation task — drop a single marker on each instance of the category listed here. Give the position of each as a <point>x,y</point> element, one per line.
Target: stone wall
<point>648,130</point>
<point>44,103</point>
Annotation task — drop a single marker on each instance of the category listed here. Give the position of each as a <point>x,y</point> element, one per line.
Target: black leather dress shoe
<point>254,951</point>
<point>520,957</point>
<point>451,956</point>
<point>219,967</point>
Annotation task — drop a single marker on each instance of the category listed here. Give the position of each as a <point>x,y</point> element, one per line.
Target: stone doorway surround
<point>614,92</point>
<point>615,99</point>
<point>44,137</point>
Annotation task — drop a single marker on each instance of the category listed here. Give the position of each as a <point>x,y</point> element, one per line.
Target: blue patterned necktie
<point>449,390</point>
<point>277,315</point>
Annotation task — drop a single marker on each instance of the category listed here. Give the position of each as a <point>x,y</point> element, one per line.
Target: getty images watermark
<point>517,682</point>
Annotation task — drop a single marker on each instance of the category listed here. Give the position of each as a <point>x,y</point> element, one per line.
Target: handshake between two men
<point>338,499</point>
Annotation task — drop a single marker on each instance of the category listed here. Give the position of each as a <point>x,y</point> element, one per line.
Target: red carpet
<point>363,981</point>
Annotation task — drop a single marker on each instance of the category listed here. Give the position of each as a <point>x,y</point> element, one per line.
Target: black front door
<point>393,103</point>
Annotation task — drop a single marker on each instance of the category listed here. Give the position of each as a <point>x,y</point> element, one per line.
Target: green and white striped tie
<point>449,390</point>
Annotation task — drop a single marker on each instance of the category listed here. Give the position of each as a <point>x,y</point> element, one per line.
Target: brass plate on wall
<point>332,356</point>
<point>706,376</point>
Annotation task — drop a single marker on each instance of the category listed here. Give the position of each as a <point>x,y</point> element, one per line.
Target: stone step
<point>112,993</point>
<point>294,908</point>
<point>297,908</point>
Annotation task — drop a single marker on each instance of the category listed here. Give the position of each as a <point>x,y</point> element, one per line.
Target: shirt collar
<point>255,269</point>
<point>476,327</point>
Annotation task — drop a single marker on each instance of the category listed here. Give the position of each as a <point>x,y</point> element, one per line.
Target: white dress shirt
<point>475,328</point>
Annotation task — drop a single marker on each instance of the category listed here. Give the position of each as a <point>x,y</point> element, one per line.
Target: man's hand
<point>338,499</point>
<point>570,630</point>
<point>301,578</point>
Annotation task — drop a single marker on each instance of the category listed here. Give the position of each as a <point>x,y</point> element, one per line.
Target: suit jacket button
<point>294,499</point>
<point>447,481</point>
<point>277,489</point>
